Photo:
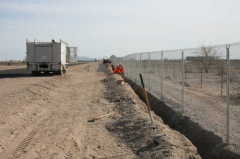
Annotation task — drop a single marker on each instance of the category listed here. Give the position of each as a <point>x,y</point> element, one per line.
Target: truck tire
<point>35,73</point>
<point>64,71</point>
<point>58,72</point>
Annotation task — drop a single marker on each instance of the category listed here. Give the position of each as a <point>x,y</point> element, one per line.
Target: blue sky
<point>105,27</point>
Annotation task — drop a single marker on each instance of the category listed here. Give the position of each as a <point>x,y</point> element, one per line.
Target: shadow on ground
<point>19,73</point>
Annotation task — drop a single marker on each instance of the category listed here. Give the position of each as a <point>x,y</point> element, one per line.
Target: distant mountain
<point>83,58</point>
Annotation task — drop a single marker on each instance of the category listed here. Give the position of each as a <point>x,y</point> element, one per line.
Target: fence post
<point>162,73</point>
<point>201,78</point>
<point>126,65</point>
<point>140,64</point>
<point>183,81</point>
<point>149,71</point>
<point>228,94</point>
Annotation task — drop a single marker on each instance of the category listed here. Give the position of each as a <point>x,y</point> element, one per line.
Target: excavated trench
<point>133,127</point>
<point>210,146</point>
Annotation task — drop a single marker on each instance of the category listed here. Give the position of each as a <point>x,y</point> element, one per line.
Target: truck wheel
<point>35,73</point>
<point>58,72</point>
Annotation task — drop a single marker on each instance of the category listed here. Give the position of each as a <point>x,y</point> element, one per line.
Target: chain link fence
<point>201,83</point>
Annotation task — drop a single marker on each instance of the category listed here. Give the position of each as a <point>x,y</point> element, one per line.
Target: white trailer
<point>72,54</point>
<point>46,57</point>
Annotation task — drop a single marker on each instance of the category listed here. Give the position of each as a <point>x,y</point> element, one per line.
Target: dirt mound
<point>133,126</point>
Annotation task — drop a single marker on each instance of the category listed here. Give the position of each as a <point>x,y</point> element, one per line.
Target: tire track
<point>20,149</point>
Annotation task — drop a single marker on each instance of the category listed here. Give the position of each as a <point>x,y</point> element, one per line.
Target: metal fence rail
<point>201,83</point>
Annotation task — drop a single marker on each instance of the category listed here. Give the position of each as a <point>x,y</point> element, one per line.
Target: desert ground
<point>50,117</point>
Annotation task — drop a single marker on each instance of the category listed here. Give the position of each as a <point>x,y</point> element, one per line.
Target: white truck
<point>72,54</point>
<point>46,57</point>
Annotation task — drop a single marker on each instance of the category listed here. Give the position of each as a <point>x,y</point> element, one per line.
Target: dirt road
<point>47,118</point>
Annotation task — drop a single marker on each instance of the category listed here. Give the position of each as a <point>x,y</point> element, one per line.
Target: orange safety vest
<point>119,69</point>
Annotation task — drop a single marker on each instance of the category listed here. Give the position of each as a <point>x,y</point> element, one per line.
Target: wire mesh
<point>200,83</point>
<point>205,88</point>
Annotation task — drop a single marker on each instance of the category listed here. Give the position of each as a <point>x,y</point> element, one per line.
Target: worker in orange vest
<point>119,69</point>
